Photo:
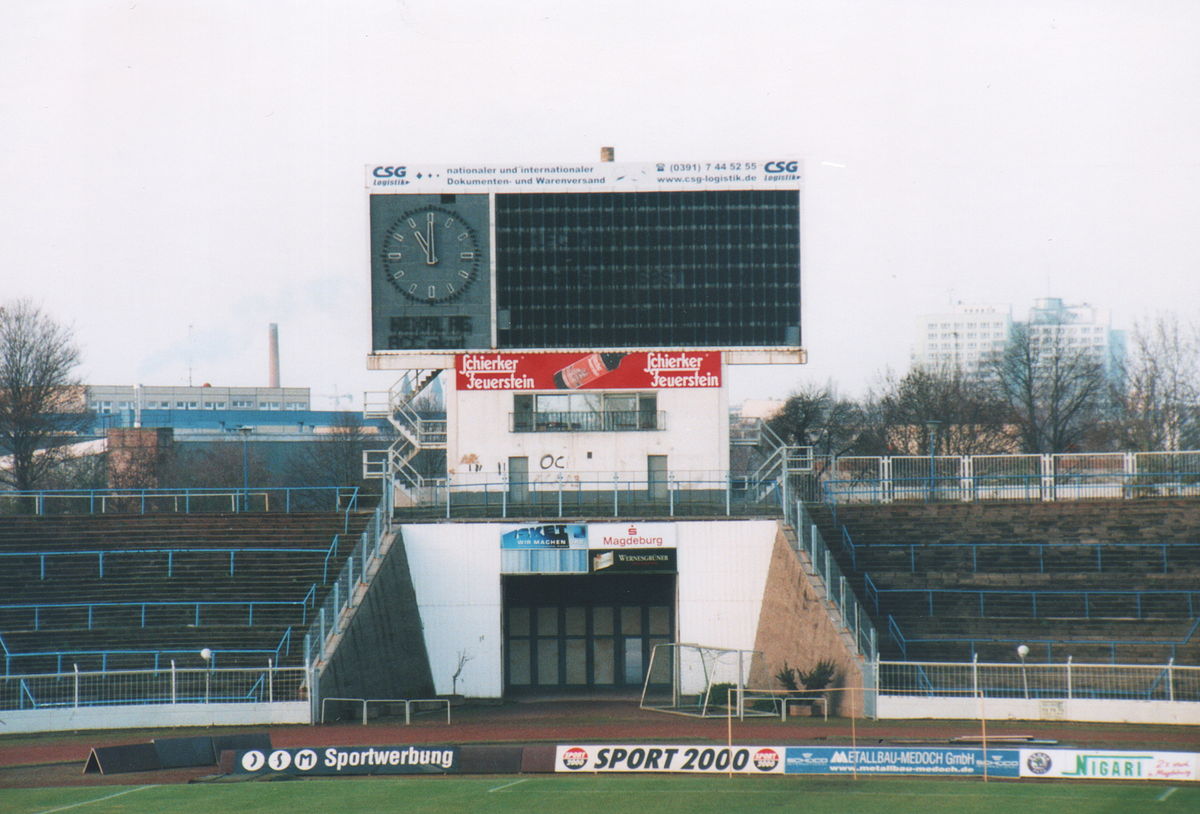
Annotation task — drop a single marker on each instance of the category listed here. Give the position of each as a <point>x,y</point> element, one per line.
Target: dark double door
<point>584,632</point>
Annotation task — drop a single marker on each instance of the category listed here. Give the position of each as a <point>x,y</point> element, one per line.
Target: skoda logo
<point>1039,762</point>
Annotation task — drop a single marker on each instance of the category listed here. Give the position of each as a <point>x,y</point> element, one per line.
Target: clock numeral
<point>412,223</point>
<point>429,218</point>
<point>466,256</point>
<point>466,275</point>
<point>449,222</point>
<point>399,273</point>
<point>432,291</point>
<point>464,236</point>
<point>412,289</point>
<point>394,255</point>
<point>398,237</point>
<point>450,288</point>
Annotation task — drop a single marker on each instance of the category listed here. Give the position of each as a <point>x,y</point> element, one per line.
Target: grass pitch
<point>634,794</point>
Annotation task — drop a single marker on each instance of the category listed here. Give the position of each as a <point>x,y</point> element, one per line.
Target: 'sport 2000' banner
<point>673,758</point>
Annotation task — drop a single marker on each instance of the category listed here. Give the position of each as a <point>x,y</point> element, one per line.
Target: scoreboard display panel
<point>591,256</point>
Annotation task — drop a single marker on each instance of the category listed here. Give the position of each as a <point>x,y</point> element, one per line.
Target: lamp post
<point>1022,652</point>
<point>932,426</point>
<point>245,431</point>
<point>207,654</point>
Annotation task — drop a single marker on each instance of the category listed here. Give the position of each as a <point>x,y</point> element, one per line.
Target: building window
<point>585,412</point>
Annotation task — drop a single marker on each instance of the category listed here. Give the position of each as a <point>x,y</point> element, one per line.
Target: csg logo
<point>766,759</point>
<point>389,172</point>
<point>782,166</point>
<point>575,758</point>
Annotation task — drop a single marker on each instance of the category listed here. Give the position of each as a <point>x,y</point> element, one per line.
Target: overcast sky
<point>175,174</point>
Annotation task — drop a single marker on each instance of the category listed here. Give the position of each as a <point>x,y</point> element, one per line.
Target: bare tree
<point>333,458</point>
<point>1055,392</point>
<point>42,404</point>
<point>971,418</point>
<point>815,416</point>
<point>1158,400</point>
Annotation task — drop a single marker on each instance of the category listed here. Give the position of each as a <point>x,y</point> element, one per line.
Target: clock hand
<point>432,259</point>
<point>423,242</point>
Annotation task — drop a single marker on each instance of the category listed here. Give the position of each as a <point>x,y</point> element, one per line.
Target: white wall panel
<point>722,575</point>
<point>456,575</point>
<point>479,442</point>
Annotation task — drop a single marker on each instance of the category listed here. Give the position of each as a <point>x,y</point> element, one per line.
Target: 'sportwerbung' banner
<point>349,760</point>
<point>640,370</point>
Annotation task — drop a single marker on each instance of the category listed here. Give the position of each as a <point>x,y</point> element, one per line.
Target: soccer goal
<point>694,679</point>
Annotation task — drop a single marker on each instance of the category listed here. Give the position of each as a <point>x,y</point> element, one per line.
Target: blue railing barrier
<point>143,605</point>
<point>64,658</point>
<point>1086,596</point>
<point>272,499</point>
<point>101,554</point>
<point>1099,549</point>
<point>902,642</point>
<point>327,618</point>
<point>1056,486</point>
<point>838,591</point>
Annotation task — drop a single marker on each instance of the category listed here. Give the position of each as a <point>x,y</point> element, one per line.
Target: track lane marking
<point>508,785</point>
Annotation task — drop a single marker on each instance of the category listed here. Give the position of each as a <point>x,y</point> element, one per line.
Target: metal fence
<point>79,688</point>
<point>180,501</point>
<point>964,478</point>
<point>594,494</point>
<point>1134,682</point>
<point>344,593</point>
<point>838,590</point>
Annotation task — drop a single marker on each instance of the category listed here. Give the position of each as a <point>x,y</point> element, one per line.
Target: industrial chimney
<point>273,357</point>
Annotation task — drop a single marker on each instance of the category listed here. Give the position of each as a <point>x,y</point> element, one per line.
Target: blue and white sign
<point>901,760</point>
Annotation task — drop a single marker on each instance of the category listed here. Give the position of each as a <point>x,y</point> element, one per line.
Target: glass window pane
<point>602,621</point>
<point>547,662</point>
<point>660,619</point>
<point>518,662</point>
<point>547,621</point>
<point>631,620</point>
<point>518,621</point>
<point>576,621</point>
<point>576,661</point>
<point>602,660</point>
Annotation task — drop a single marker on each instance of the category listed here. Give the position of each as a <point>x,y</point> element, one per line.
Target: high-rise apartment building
<point>967,336</point>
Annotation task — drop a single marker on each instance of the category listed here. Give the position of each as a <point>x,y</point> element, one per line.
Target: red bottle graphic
<point>586,370</point>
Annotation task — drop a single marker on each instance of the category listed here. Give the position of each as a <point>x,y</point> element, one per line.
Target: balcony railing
<point>588,421</point>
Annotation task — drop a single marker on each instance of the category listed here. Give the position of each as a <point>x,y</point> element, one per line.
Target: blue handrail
<point>189,500</point>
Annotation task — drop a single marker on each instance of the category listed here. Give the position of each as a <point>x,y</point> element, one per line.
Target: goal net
<point>694,679</point>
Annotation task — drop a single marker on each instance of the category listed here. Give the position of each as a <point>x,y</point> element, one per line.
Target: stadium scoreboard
<point>608,255</point>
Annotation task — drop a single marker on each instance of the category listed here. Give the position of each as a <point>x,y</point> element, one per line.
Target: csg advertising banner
<point>657,370</point>
<point>672,758</point>
<point>349,760</point>
<point>1110,764</point>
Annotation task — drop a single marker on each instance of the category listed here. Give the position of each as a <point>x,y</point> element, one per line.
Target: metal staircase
<point>780,460</point>
<point>414,433</point>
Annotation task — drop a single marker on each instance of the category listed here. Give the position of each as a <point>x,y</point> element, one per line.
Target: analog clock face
<point>431,254</point>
